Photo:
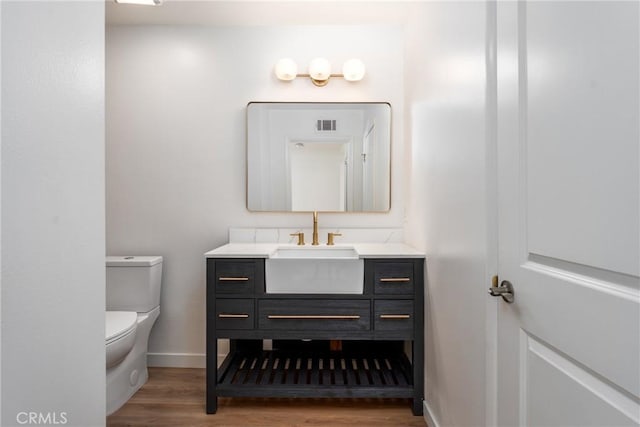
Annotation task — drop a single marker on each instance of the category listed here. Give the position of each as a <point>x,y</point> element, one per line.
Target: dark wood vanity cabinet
<point>323,345</point>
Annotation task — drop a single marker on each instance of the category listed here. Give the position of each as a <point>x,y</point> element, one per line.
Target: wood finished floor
<point>175,397</point>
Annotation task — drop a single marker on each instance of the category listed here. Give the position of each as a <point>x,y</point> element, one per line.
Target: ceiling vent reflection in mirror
<point>325,125</point>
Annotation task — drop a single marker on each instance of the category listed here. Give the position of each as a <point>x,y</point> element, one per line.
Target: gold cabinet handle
<point>233,316</point>
<point>313,316</point>
<point>395,279</point>
<point>395,316</point>
<point>233,279</point>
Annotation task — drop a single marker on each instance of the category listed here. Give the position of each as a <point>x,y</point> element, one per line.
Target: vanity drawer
<point>314,315</point>
<point>393,278</point>
<point>236,276</point>
<point>235,314</point>
<point>393,315</point>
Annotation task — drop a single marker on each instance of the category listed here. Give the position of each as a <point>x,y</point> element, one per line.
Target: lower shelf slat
<point>335,374</point>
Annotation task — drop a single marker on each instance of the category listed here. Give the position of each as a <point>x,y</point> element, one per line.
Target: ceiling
<point>260,12</point>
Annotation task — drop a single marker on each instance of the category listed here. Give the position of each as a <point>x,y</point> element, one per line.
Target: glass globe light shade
<point>286,69</point>
<point>319,70</point>
<point>353,70</point>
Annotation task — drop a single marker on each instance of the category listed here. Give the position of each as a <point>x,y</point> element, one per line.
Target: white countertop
<point>364,250</point>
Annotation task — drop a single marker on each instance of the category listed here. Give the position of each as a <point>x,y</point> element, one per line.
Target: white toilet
<point>133,305</point>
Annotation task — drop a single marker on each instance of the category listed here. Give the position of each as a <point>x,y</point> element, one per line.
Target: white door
<point>568,155</point>
<point>318,176</point>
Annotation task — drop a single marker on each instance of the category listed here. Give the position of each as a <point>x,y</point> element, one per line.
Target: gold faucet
<point>330,237</point>
<point>315,229</point>
<point>300,237</point>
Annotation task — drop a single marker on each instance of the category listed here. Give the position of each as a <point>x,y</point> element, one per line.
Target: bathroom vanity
<point>364,341</point>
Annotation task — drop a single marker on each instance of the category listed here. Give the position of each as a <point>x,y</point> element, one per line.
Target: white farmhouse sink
<point>316,252</point>
<point>314,270</point>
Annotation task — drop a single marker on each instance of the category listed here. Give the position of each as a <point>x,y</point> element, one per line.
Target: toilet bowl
<point>120,335</point>
<point>133,305</point>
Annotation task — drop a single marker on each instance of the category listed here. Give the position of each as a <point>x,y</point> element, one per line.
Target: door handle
<point>505,290</point>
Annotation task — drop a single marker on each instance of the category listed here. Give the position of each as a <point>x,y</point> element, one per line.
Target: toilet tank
<point>133,283</point>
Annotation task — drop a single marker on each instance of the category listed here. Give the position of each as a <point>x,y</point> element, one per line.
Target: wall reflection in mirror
<point>331,157</point>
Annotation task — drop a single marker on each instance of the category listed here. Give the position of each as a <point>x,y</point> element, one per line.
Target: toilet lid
<point>119,323</point>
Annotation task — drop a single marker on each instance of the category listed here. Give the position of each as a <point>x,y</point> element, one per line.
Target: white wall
<point>447,202</point>
<point>53,358</point>
<point>176,100</point>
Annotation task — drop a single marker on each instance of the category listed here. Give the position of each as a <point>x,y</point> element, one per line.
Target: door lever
<point>505,290</point>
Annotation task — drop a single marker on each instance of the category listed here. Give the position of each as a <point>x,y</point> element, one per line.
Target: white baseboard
<point>176,360</point>
<point>428,415</point>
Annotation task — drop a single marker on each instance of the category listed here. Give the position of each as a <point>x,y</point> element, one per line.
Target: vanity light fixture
<point>140,2</point>
<point>320,70</point>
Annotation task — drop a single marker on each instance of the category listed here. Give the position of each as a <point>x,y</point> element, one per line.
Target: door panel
<point>550,377</point>
<point>581,93</point>
<point>568,155</point>
<point>590,320</point>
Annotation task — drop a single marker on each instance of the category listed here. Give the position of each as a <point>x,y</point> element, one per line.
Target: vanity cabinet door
<point>235,314</point>
<point>394,316</point>
<point>237,276</point>
<point>393,278</point>
<point>314,315</point>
